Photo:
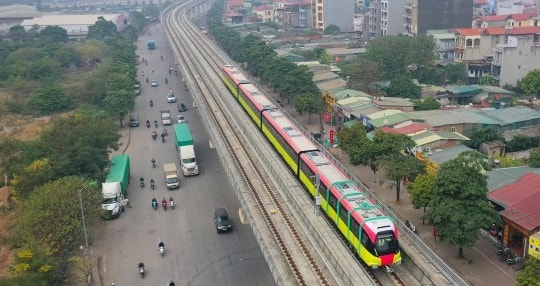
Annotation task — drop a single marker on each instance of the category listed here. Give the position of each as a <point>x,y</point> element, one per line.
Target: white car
<point>154,83</point>
<point>180,119</point>
<point>171,98</point>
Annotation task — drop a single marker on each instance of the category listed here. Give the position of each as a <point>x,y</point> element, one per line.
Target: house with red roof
<point>518,204</point>
<point>490,21</point>
<point>520,20</point>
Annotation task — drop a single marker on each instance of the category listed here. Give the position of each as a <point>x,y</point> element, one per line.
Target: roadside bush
<point>48,100</point>
<point>521,142</point>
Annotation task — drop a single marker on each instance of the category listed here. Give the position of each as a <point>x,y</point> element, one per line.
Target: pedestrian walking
<point>435,233</point>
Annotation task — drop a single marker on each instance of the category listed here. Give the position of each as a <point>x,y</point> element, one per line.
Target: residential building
<point>392,17</point>
<point>484,7</point>
<point>293,13</point>
<point>517,56</point>
<point>490,21</point>
<point>507,7</point>
<point>469,49</point>
<point>374,26</point>
<point>333,12</point>
<point>265,13</point>
<point>445,43</point>
<point>423,15</point>
<point>520,20</point>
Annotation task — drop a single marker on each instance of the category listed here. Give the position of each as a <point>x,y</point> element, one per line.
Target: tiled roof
<point>480,2</point>
<point>469,31</point>
<point>492,18</point>
<point>263,8</point>
<point>521,201</point>
<point>494,31</point>
<point>524,30</point>
<point>522,16</point>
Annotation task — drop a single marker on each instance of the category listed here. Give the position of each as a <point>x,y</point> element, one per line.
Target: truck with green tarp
<point>114,189</point>
<point>186,149</point>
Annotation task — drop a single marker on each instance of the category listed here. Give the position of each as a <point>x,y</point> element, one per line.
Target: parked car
<point>171,98</point>
<point>222,221</point>
<point>133,121</point>
<point>154,83</point>
<point>182,107</point>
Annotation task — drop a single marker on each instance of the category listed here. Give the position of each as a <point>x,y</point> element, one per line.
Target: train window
<point>355,227</point>
<point>333,201</point>
<point>366,242</point>
<point>343,213</point>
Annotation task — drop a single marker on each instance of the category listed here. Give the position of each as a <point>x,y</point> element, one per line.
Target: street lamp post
<point>92,184</point>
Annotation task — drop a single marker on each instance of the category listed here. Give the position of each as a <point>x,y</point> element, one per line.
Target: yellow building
<point>534,245</point>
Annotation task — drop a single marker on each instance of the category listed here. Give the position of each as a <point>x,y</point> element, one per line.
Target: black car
<point>181,107</point>
<point>222,221</point>
<point>133,121</point>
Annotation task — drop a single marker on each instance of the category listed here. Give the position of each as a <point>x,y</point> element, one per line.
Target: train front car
<point>379,242</point>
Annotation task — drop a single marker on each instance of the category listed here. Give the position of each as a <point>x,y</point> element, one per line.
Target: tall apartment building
<point>392,17</point>
<point>333,12</point>
<point>423,15</point>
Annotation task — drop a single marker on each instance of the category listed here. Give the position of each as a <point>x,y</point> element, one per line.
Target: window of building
<point>453,129</point>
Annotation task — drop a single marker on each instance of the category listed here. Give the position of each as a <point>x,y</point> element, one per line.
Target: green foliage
<point>397,167</point>
<point>54,34</point>
<point>508,161</point>
<point>402,54</point>
<point>488,80</point>
<point>79,144</point>
<point>49,100</point>
<point>429,103</point>
<point>102,30</point>
<point>402,86</point>
<point>522,142</point>
<point>421,190</point>
<point>455,73</point>
<point>534,158</point>
<point>483,136</point>
<point>309,103</point>
<point>331,29</point>
<point>317,54</point>
<point>530,276</point>
<point>459,205</point>
<point>52,218</point>
<point>362,73</point>
<point>530,84</point>
<point>351,137</point>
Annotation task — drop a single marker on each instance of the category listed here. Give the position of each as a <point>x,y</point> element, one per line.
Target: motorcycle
<point>148,123</point>
<point>142,184</point>
<point>165,132</point>
<point>172,204</point>
<point>166,81</point>
<point>164,205</point>
<point>153,160</point>
<point>152,184</point>
<point>151,103</point>
<point>161,249</point>
<point>155,123</point>
<point>162,138</point>
<point>154,204</point>
<point>142,270</point>
<point>154,136</point>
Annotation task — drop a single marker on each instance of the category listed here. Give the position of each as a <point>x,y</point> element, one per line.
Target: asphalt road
<point>195,253</point>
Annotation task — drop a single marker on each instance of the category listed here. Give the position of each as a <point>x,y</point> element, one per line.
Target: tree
<point>48,100</point>
<point>402,86</point>
<point>530,274</point>
<point>397,167</point>
<point>309,103</point>
<point>118,103</point>
<point>488,80</point>
<point>421,191</point>
<point>429,103</point>
<point>352,136</point>
<point>534,158</point>
<point>483,136</point>
<point>455,73</point>
<point>54,34</point>
<point>102,30</point>
<point>531,83</point>
<point>368,154</point>
<point>35,174</point>
<point>363,73</point>
<point>331,29</point>
<point>51,216</point>
<point>459,205</point>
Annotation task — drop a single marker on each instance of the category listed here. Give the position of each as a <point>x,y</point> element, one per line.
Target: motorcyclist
<point>154,203</point>
<point>152,183</point>
<point>171,283</point>
<point>155,123</point>
<point>161,244</point>
<point>166,81</point>
<point>154,134</point>
<point>153,160</point>
<point>152,69</point>
<point>141,265</point>
<point>161,57</point>
<point>171,202</point>
<point>147,123</point>
<point>164,203</point>
<point>146,79</point>
<point>151,103</point>
<point>141,180</point>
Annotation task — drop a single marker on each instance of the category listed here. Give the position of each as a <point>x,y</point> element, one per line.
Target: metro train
<point>372,234</point>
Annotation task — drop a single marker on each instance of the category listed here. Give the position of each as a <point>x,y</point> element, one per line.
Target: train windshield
<point>386,243</point>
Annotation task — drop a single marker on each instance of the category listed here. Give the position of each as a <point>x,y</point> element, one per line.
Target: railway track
<point>259,186</point>
<point>185,38</point>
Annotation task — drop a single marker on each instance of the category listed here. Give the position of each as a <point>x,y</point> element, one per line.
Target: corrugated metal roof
<point>343,51</point>
<point>454,116</point>
<point>494,89</point>
<point>512,115</point>
<point>342,94</point>
<point>425,137</point>
<point>324,76</point>
<point>66,20</point>
<point>388,120</point>
<point>331,84</point>
<point>18,11</point>
<point>384,113</point>
<point>440,156</point>
<point>468,89</point>
<point>352,102</point>
<point>393,101</point>
<point>451,135</point>
<point>498,178</point>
